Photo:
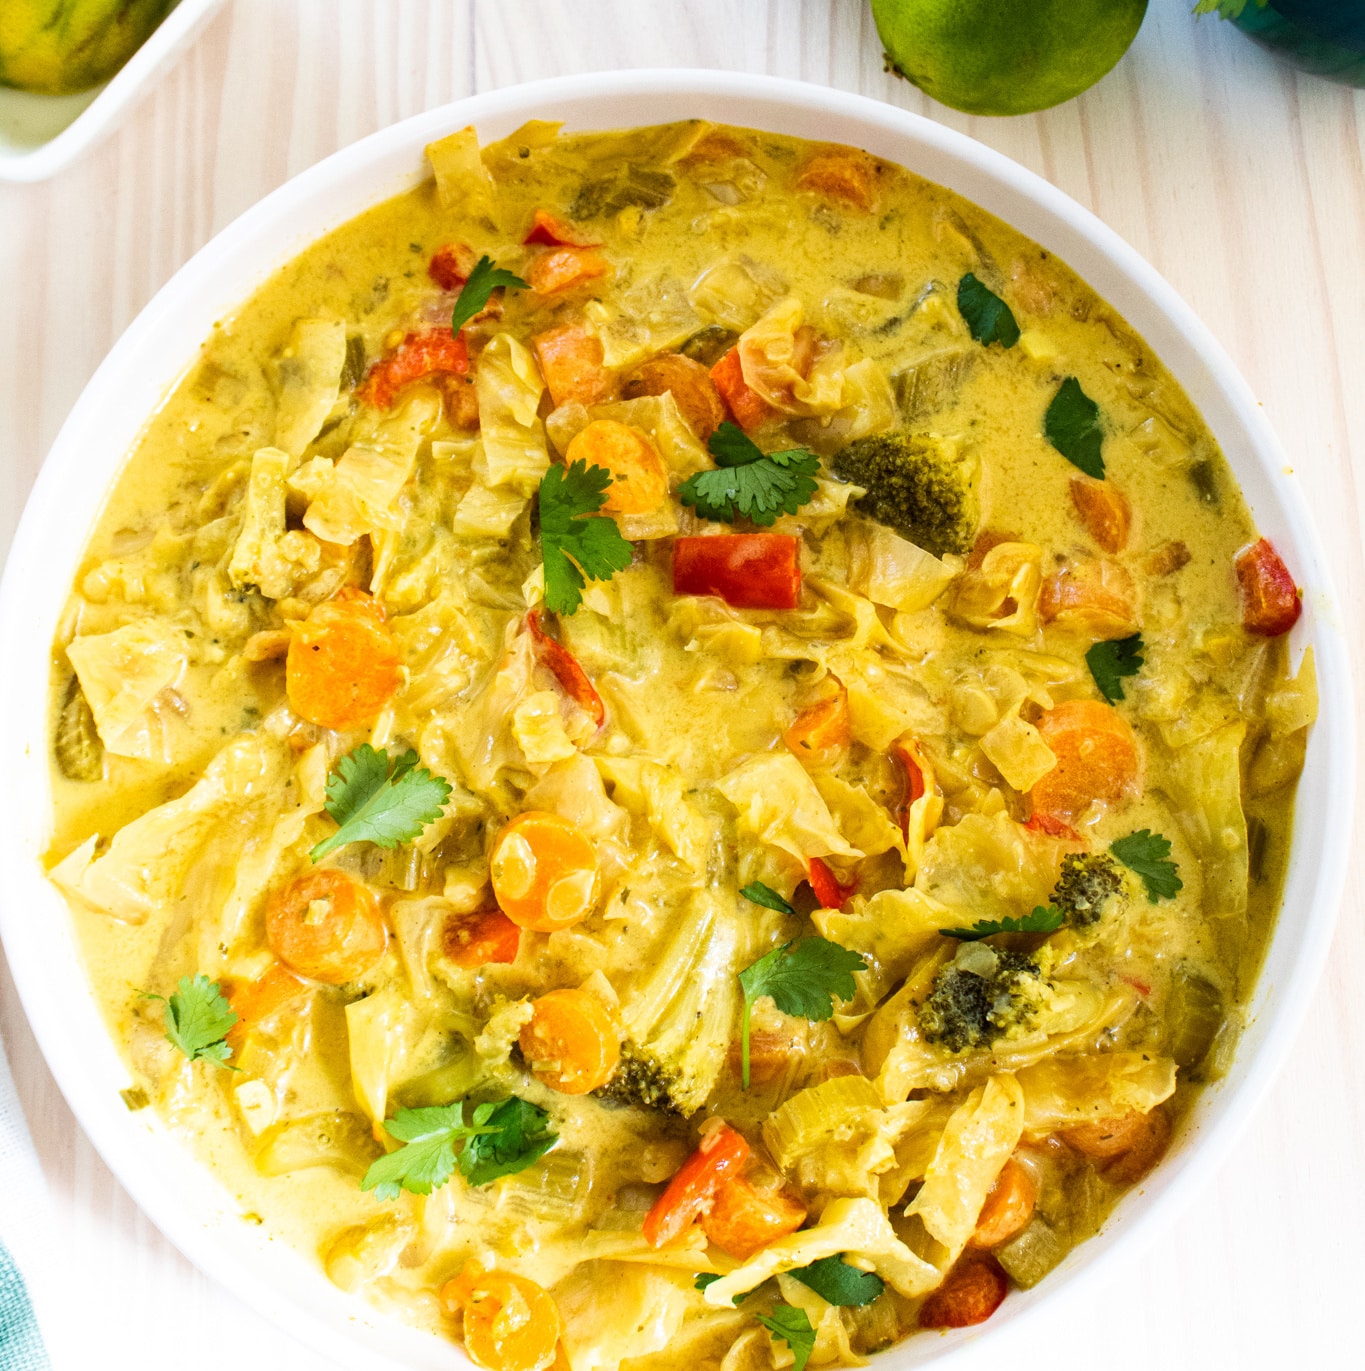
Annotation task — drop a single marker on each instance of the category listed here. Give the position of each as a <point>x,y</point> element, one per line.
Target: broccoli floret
<point>1089,880</point>
<point>914,485</point>
<point>644,1079</point>
<point>982,995</point>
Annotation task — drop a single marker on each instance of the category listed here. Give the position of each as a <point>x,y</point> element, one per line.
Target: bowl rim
<point>160,1175</point>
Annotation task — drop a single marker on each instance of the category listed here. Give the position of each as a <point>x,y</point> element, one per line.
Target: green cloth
<point>21,1345</point>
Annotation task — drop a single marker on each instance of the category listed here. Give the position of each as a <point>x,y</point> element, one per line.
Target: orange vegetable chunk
<point>429,353</point>
<point>571,1043</point>
<point>693,1188</point>
<point>342,667</point>
<point>847,175</point>
<point>1008,1207</point>
<point>743,1220</point>
<point>1271,602</point>
<point>747,407</point>
<point>689,383</point>
<point>639,478</point>
<point>974,1289</point>
<point>326,926</point>
<point>1104,510</point>
<point>480,939</point>
<point>820,733</point>
<point>510,1323</point>
<point>544,872</point>
<point>562,269</point>
<point>255,1001</point>
<point>1097,758</point>
<point>570,360</point>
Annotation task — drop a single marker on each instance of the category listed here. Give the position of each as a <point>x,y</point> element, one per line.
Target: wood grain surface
<point>1242,181</point>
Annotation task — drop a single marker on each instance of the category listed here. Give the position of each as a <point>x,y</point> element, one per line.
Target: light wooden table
<point>1240,180</point>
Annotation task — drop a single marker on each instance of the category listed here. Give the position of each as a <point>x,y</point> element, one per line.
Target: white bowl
<point>179,1195</point>
<point>41,135</point>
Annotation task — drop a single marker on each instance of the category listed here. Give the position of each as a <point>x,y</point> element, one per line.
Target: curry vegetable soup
<point>676,748</point>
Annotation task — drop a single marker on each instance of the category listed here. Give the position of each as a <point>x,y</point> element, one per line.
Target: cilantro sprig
<point>1072,426</point>
<point>501,1138</point>
<point>1043,919</point>
<point>747,483</point>
<point>1110,661</point>
<point>1148,854</point>
<point>989,319</point>
<point>802,979</point>
<point>478,286</point>
<point>198,1017</point>
<point>576,543</point>
<point>794,1328</point>
<point>758,893</point>
<point>380,801</point>
<point>838,1283</point>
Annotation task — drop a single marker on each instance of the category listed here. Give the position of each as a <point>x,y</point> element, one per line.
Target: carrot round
<point>342,667</point>
<point>510,1323</point>
<point>639,479</point>
<point>1008,1207</point>
<point>974,1290</point>
<point>820,733</point>
<point>474,940</point>
<point>743,1220</point>
<point>571,1043</point>
<point>544,872</point>
<point>253,1001</point>
<point>326,926</point>
<point>1097,758</point>
<point>690,1193</point>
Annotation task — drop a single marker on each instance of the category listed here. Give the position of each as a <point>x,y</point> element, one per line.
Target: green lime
<point>59,46</point>
<point>1006,56</point>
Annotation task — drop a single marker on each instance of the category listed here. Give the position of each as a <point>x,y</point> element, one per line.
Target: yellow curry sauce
<point>956,674</point>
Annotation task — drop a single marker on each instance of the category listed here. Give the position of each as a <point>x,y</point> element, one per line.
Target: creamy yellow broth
<point>188,596</point>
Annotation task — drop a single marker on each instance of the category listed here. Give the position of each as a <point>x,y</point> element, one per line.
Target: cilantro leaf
<point>835,1281</point>
<point>793,1327</point>
<point>479,285</point>
<point>516,1133</point>
<point>989,318</point>
<point>1111,661</point>
<point>802,978</point>
<point>197,1018</point>
<point>502,1138</point>
<point>573,546</point>
<point>379,801</point>
<point>705,1278</point>
<point>765,895</point>
<point>1072,426</point>
<point>747,483</point>
<point>1044,919</point>
<point>1148,854</point>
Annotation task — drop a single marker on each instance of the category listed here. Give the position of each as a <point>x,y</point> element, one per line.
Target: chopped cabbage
<point>893,929</point>
<point>619,1312</point>
<point>1003,591</point>
<point>862,821</point>
<point>656,415</point>
<point>893,571</point>
<point>1017,751</point>
<point>1205,779</point>
<point>736,291</point>
<point>988,868</point>
<point>768,355</point>
<point>357,496</point>
<point>266,554</point>
<point>658,792</point>
<point>309,374</point>
<point>539,729</point>
<point>391,1041</point>
<point>856,1228</point>
<point>779,805</point>
<point>121,674</point>
<point>1293,704</point>
<point>462,181</point>
<point>485,513</point>
<point>1060,1092</point>
<point>573,788</point>
<point>832,1346</point>
<point>512,438</point>
<point>869,406</point>
<point>651,317</point>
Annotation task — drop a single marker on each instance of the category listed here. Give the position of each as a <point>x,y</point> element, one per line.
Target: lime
<point>58,46</point>
<point>1005,56</point>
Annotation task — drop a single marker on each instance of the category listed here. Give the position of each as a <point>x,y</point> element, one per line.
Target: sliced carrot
<point>342,667</point>
<point>566,670</point>
<point>689,383</point>
<point>1097,758</point>
<point>975,1288</point>
<point>1271,602</point>
<point>1146,1151</point>
<point>747,570</point>
<point>433,352</point>
<point>480,939</point>
<point>451,264</point>
<point>550,231</point>
<point>639,478</point>
<point>693,1188</point>
<point>255,1001</point>
<point>747,407</point>
<point>1008,1207</point>
<point>561,269</point>
<point>570,360</point>
<point>510,1323</point>
<point>571,1043</point>
<point>1096,597</point>
<point>1104,510</point>
<point>847,175</point>
<point>326,926</point>
<point>544,872</point>
<point>1131,1143</point>
<point>826,886</point>
<point>743,1220</point>
<point>819,734</point>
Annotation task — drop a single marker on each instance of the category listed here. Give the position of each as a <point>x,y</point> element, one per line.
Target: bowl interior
<point>179,1195</point>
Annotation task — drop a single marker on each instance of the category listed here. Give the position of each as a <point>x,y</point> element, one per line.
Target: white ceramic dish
<point>181,1197</point>
<point>41,135</point>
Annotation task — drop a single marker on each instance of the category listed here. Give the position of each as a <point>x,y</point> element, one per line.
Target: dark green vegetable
<point>933,384</point>
<point>1088,881</point>
<point>1194,1013</point>
<point>1043,919</point>
<point>1204,477</point>
<point>982,995</point>
<point>643,1078</point>
<point>1072,426</point>
<point>913,486</point>
<point>988,317</point>
<point>76,741</point>
<point>631,185</point>
<point>834,1280</point>
<point>353,369</point>
<point>1028,1257</point>
<point>709,345</point>
<point>1113,659</point>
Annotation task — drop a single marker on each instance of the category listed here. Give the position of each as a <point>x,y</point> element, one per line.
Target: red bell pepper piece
<point>450,265</point>
<point>694,1185</point>
<point>747,406</point>
<point>1053,827</point>
<point>564,665</point>
<point>914,783</point>
<point>551,232</point>
<point>826,885</point>
<point>747,570</point>
<point>475,940</point>
<point>419,355</point>
<point>1271,602</point>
